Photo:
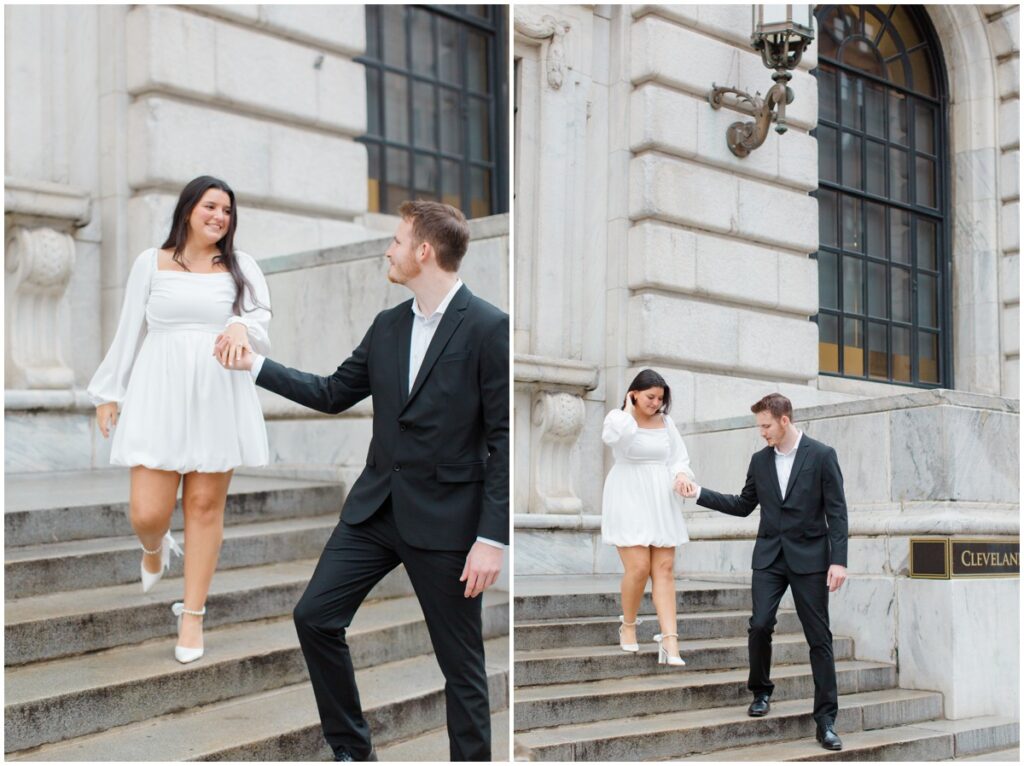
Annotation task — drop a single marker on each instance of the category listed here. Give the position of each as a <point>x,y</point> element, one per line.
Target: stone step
<point>61,699</point>
<point>542,597</point>
<point>671,735</point>
<point>64,506</point>
<point>1012,755</point>
<point>69,623</point>
<point>594,663</point>
<point>400,700</point>
<point>433,746</point>
<point>937,740</point>
<point>573,703</point>
<point>53,567</point>
<point>594,631</point>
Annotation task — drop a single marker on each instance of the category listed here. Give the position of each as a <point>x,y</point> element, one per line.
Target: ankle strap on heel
<point>622,619</point>
<point>659,636</point>
<point>146,550</point>
<point>179,609</point>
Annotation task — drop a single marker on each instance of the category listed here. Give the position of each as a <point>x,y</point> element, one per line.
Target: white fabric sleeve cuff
<point>491,542</point>
<point>257,365</point>
<point>697,496</point>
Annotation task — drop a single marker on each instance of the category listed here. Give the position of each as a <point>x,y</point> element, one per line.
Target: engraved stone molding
<point>557,422</point>
<point>540,30</point>
<point>40,256</point>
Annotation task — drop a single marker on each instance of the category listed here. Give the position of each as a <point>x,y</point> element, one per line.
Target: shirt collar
<point>441,307</point>
<point>796,446</point>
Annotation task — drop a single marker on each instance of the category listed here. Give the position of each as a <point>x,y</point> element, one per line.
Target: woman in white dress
<point>185,416</point>
<point>642,512</point>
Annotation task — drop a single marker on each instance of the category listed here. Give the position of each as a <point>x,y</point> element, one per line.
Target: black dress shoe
<point>828,738</point>
<point>760,706</point>
<point>345,755</point>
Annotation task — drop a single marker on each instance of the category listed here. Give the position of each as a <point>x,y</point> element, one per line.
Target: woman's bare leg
<point>203,499</point>
<point>636,560</point>
<point>151,503</point>
<point>664,594</point>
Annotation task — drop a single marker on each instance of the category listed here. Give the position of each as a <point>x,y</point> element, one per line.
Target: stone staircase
<point>578,697</point>
<point>90,672</point>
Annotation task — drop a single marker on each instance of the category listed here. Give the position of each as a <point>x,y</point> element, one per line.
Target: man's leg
<point>354,560</point>
<point>810,594</point>
<point>766,589</point>
<point>456,631</point>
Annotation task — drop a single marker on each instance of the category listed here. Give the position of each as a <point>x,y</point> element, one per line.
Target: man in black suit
<point>801,543</point>
<point>434,492</point>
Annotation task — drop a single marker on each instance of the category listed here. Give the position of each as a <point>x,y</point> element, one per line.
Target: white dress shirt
<point>423,329</point>
<point>783,466</point>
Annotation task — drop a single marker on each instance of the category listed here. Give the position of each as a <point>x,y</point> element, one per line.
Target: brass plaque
<point>970,557</point>
<point>929,558</point>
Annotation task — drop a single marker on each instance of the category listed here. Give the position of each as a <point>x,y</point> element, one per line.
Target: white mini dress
<point>180,410</point>
<point>640,506</point>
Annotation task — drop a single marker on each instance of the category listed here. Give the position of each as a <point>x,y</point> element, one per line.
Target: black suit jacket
<point>440,450</point>
<point>808,524</point>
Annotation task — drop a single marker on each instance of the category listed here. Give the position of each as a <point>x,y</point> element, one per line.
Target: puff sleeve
<point>618,427</point>
<point>679,459</point>
<point>255,316</point>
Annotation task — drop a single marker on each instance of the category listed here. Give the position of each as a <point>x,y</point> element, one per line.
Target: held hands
<point>483,565</point>
<point>683,486</point>
<point>836,577</point>
<point>232,348</point>
<point>106,416</point>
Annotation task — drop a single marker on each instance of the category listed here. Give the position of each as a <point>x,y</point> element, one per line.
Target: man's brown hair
<point>442,226</point>
<point>777,404</point>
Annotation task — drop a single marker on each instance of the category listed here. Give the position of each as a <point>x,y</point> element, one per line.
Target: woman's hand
<point>683,486</point>
<point>106,416</point>
<point>627,406</point>
<point>232,344</point>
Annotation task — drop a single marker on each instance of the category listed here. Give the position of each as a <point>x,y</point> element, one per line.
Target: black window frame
<point>940,214</point>
<point>494,27</point>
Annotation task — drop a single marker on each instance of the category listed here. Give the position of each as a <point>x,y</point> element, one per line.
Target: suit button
<point>401,428</point>
<point>398,467</point>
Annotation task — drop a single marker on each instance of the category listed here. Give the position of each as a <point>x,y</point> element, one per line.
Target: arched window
<point>883,257</point>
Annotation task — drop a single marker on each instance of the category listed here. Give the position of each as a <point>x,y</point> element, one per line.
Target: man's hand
<point>222,349</point>
<point>836,577</point>
<point>483,565</point>
<point>683,486</point>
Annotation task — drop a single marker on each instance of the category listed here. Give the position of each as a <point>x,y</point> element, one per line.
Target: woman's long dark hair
<point>178,236</point>
<point>650,379</point>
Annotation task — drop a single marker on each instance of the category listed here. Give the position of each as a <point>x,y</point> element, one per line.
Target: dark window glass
<point>883,291</point>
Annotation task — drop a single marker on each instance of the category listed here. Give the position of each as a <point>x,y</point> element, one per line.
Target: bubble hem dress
<point>640,506</point>
<point>180,410</point>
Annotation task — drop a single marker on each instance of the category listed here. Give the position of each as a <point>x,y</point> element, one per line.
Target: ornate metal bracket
<point>744,137</point>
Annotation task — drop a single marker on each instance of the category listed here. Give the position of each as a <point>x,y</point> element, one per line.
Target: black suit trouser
<point>810,595</point>
<point>355,559</point>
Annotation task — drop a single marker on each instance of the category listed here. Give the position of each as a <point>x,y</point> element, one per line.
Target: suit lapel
<point>403,328</point>
<point>773,473</point>
<point>450,321</point>
<point>798,461</point>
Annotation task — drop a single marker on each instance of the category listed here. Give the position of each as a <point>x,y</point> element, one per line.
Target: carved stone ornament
<point>548,27</point>
<point>39,262</point>
<point>557,424</point>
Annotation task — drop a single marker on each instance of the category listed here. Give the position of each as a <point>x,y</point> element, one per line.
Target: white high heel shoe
<point>628,647</point>
<point>186,654</point>
<point>167,544</point>
<point>664,658</point>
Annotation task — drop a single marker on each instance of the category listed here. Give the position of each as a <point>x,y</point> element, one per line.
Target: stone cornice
<point>47,201</point>
<point>545,370</point>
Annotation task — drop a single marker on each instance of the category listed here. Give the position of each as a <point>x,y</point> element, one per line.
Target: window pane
<point>853,285</point>
<point>480,192</point>
<point>479,129</point>
<point>899,236</point>
<point>878,351</point>
<point>422,42</point>
<point>827,154</point>
<point>862,55</point>
<point>393,28</point>
<point>898,175</point>
<point>396,108</point>
<point>828,343</point>
<point>876,291</point>
<point>449,66</point>
<point>900,294</point>
<point>478,69</point>
<point>874,109</point>
<point>927,301</point>
<point>852,225</point>
<point>826,92</point>
<point>927,357</point>
<point>921,71</point>
<point>424,116</point>
<point>827,218</point>
<point>924,128</point>
<point>924,181</point>
<point>876,168</point>
<point>901,354</point>
<point>905,27</point>
<point>897,118</point>
<point>372,101</point>
<point>828,280</point>
<point>451,138</point>
<point>372,30</point>
<point>427,181</point>
<point>373,177</point>
<point>398,177</point>
<point>853,347</point>
<point>451,183</point>
<point>851,97</point>
<point>851,161</point>
<point>875,229</point>
<point>926,245</point>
